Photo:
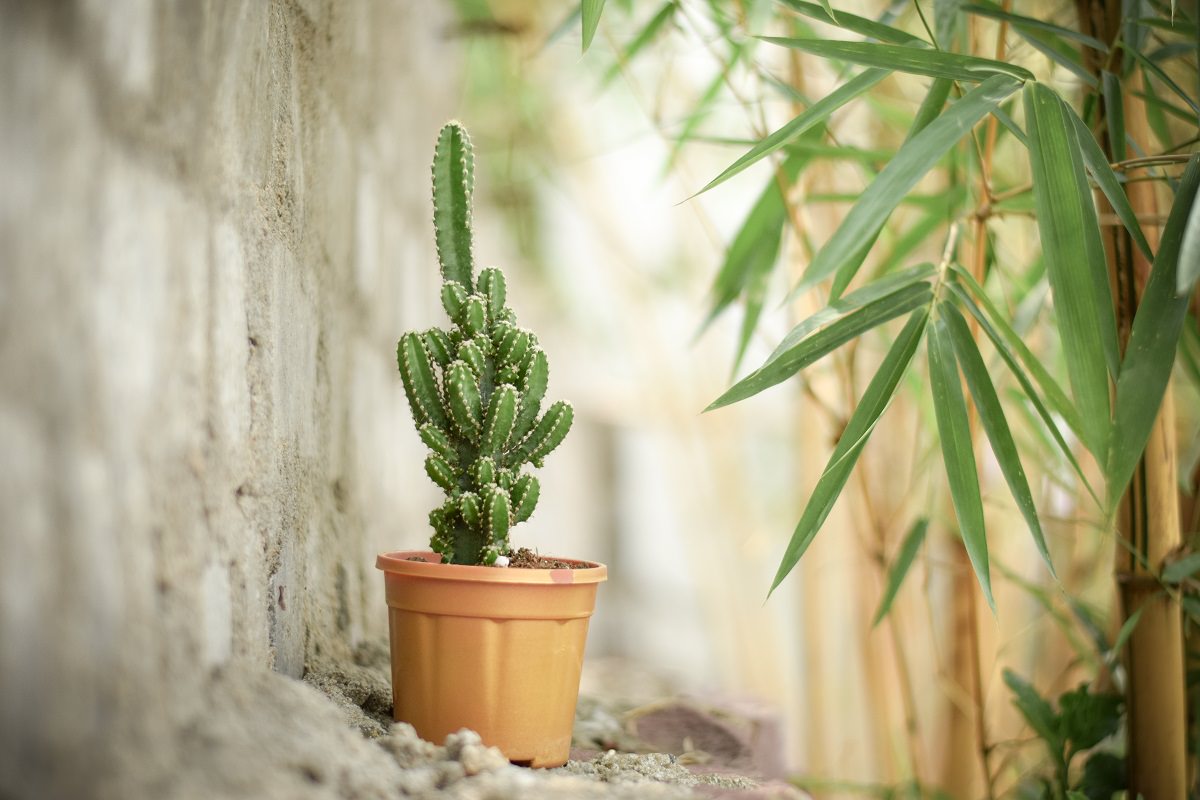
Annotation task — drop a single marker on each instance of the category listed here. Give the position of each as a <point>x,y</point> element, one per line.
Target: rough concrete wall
<point>208,216</point>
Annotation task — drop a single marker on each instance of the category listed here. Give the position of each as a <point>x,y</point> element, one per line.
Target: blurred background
<point>215,225</point>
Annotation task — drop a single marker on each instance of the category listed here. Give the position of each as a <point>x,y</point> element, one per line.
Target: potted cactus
<point>476,641</point>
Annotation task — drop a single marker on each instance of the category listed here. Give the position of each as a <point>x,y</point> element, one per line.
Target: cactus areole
<point>476,390</point>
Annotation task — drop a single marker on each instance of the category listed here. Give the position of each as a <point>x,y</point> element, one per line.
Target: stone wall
<point>208,215</point>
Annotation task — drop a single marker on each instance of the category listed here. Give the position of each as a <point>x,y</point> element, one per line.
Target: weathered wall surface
<point>209,222</point>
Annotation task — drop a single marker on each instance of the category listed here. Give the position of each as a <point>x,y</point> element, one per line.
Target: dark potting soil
<point>524,558</point>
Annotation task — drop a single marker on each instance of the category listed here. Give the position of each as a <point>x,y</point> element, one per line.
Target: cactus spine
<point>476,390</point>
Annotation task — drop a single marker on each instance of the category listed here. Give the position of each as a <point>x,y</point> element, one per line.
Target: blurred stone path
<point>666,748</point>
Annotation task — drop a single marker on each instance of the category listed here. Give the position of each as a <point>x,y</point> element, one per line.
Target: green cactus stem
<point>476,389</point>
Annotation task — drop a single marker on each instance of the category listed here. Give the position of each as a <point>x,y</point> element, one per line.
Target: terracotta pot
<point>492,649</point>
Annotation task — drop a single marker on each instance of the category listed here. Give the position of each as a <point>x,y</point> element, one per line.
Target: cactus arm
<point>548,433</point>
<point>492,285</point>
<point>498,517</point>
<point>474,315</point>
<point>453,183</point>
<point>437,343</point>
<point>454,297</point>
<point>440,472</point>
<point>437,441</point>
<point>533,389</point>
<point>525,492</point>
<point>468,507</point>
<point>416,372</point>
<point>513,347</point>
<point>462,395</point>
<point>501,417</point>
<point>470,352</point>
<point>485,472</point>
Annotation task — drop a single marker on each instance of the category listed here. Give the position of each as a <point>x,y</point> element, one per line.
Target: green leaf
<point>590,11</point>
<point>643,38</point>
<point>1075,262</point>
<point>1036,710</point>
<point>912,161</point>
<point>1166,80</point>
<point>872,292</point>
<point>931,107</point>
<point>1189,252</point>
<point>1114,113</point>
<point>874,401</point>
<point>1086,719</point>
<point>1185,567</point>
<point>1106,179</point>
<point>901,58</point>
<point>1150,354</point>
<point>755,248</point>
<point>786,362</point>
<point>1010,345</point>
<point>993,11</point>
<point>994,423</point>
<point>954,433</point>
<point>899,568</point>
<point>1127,630</point>
<point>1103,776</point>
<point>855,24</point>
<point>814,114</point>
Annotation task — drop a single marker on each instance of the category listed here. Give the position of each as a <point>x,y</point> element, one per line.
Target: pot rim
<point>398,563</point>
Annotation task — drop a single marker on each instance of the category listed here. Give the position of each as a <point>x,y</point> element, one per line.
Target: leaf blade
<point>814,114</point>
<point>1150,354</point>
<point>914,159</point>
<point>866,414</point>
<point>785,363</point>
<point>590,11</point>
<point>1075,261</point>
<point>902,58</point>
<point>991,415</point>
<point>954,433</point>
<point>899,569</point>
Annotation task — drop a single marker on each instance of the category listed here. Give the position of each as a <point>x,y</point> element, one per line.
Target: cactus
<point>476,390</point>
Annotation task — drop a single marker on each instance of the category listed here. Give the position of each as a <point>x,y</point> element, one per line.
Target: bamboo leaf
<point>590,11</point>
<point>872,292</point>
<point>1106,179</point>
<point>915,158</point>
<point>901,58</point>
<point>784,363</point>
<point>1189,251</point>
<point>1185,567</point>
<point>643,38</point>
<point>931,108</point>
<point>1004,346</point>
<point>993,11</point>
<point>1075,262</point>
<point>1166,79</point>
<point>866,414</point>
<point>1114,113</point>
<point>1127,630</point>
<point>954,433</point>
<point>755,248</point>
<point>1150,354</point>
<point>994,424</point>
<point>855,24</point>
<point>814,114</point>
<point>899,569</point>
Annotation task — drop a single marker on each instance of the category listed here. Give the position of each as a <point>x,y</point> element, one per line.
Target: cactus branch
<point>453,183</point>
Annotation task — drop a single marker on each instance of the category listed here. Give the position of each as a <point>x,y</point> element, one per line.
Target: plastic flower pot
<point>496,650</point>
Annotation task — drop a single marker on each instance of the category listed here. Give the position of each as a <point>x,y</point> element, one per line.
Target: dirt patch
<point>524,558</point>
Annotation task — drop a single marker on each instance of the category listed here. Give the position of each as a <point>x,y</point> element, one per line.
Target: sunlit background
<point>586,198</point>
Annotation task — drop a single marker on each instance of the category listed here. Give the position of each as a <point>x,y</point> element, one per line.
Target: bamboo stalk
<point>1148,516</point>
